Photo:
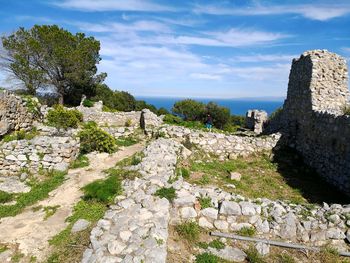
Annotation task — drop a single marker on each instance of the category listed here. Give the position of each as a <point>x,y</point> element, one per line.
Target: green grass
<point>216,243</point>
<point>69,247</point>
<point>168,193</point>
<point>285,178</point>
<point>17,257</point>
<point>182,171</point>
<point>205,202</point>
<point>189,231</point>
<point>207,258</point>
<point>3,248</point>
<point>5,197</point>
<point>253,255</point>
<point>246,231</point>
<point>50,211</point>
<point>103,190</point>
<point>136,159</point>
<point>126,141</point>
<point>81,161</point>
<point>39,191</point>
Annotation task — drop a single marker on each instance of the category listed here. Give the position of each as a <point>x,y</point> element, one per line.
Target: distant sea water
<point>236,106</point>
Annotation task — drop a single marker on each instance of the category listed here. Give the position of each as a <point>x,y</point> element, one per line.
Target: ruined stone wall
<point>225,146</point>
<point>14,113</point>
<point>41,152</point>
<point>313,118</point>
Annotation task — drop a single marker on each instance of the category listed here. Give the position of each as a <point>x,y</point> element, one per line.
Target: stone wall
<point>313,121</point>
<point>255,120</point>
<point>14,114</point>
<point>41,152</point>
<point>225,146</point>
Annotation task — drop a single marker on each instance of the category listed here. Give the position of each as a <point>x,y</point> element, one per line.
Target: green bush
<point>60,117</point>
<point>207,258</point>
<point>168,193</point>
<point>189,231</point>
<point>103,190</point>
<point>21,135</point>
<point>92,138</point>
<point>88,103</point>
<point>5,197</point>
<point>172,119</point>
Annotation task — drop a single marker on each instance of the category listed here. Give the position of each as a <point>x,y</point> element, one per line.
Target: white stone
<point>188,212</point>
<point>116,247</point>
<point>210,213</point>
<point>230,208</point>
<point>125,235</point>
<point>221,225</point>
<point>262,248</point>
<point>235,176</point>
<point>203,222</point>
<point>80,225</point>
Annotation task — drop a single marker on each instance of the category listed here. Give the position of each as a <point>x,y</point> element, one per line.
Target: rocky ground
<point>29,233</point>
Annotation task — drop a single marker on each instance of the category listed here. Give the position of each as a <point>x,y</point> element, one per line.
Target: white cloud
<point>205,76</point>
<point>112,5</point>
<point>321,12</point>
<point>264,58</point>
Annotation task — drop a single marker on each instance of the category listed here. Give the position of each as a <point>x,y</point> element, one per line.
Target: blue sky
<point>218,49</point>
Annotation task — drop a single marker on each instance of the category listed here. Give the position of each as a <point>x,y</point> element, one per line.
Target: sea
<point>236,106</point>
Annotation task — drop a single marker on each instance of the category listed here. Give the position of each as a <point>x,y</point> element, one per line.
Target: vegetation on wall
<point>60,117</point>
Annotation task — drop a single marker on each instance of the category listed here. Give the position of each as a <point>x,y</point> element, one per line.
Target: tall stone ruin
<point>313,120</point>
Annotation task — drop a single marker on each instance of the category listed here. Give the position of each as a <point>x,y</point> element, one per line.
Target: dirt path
<point>29,229</point>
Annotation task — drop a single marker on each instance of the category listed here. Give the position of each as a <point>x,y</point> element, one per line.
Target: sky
<point>193,48</point>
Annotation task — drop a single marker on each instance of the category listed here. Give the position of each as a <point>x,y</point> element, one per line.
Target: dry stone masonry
<point>256,120</point>
<point>313,121</point>
<point>41,152</point>
<point>225,146</point>
<point>14,113</point>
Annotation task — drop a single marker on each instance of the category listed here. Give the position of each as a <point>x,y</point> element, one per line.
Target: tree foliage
<point>49,56</point>
<point>189,110</point>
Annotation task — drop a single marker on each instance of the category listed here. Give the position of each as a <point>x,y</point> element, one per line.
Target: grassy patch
<point>17,257</point>
<point>39,191</point>
<point>205,202</point>
<point>168,193</point>
<point>103,190</point>
<point>247,231</point>
<point>5,197</point>
<point>3,248</point>
<point>189,231</point>
<point>50,211</point>
<point>182,171</point>
<point>284,258</point>
<point>284,178</point>
<point>253,255</point>
<point>81,161</point>
<point>126,141</point>
<point>216,243</point>
<point>330,255</point>
<point>207,258</point>
<point>69,247</point>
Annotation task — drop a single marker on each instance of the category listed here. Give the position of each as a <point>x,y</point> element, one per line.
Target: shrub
<point>60,117</point>
<point>103,190</point>
<point>21,135</point>
<point>128,123</point>
<point>162,111</point>
<point>92,138</point>
<point>189,230</point>
<point>168,193</point>
<point>88,103</point>
<point>172,119</point>
<point>207,258</point>
<point>5,197</point>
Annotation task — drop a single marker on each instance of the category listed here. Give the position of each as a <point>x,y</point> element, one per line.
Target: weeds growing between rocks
<point>168,193</point>
<point>80,162</point>
<point>189,231</point>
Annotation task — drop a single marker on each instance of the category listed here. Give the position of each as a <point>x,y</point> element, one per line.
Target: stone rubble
<point>135,229</point>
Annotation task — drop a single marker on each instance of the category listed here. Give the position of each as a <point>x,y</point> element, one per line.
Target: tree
<point>141,104</point>
<point>189,110</point>
<point>220,115</point>
<point>48,55</point>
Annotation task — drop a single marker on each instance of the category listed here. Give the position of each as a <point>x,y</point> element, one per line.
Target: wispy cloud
<point>113,5</point>
<point>264,58</point>
<point>321,12</point>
